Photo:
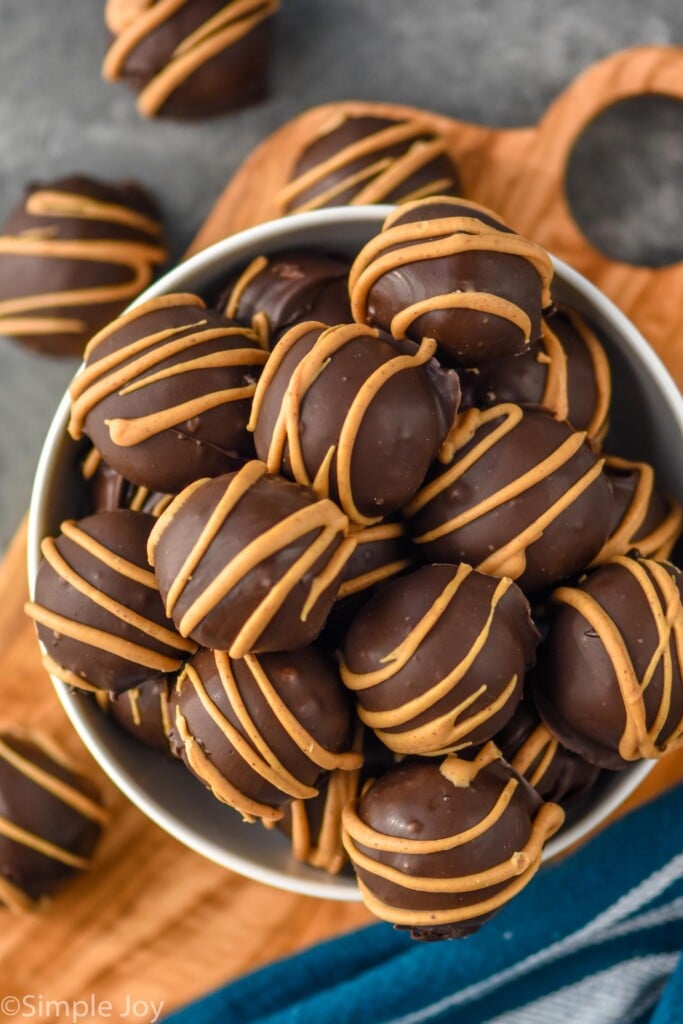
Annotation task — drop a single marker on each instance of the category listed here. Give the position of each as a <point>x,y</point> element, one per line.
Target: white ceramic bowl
<point>647,422</point>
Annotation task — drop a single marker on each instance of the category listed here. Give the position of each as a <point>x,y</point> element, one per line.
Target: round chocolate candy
<point>273,293</point>
<point>165,393</point>
<point>556,773</point>
<point>439,848</point>
<point>437,658</point>
<point>73,254</point>
<point>190,60</point>
<point>249,562</point>
<point>451,270</point>
<point>518,494</point>
<point>609,682</point>
<point>354,414</point>
<point>363,159</point>
<point>109,490</point>
<point>51,818</point>
<point>642,517</point>
<point>259,730</point>
<point>97,607</point>
<point>143,713</point>
<point>566,372</point>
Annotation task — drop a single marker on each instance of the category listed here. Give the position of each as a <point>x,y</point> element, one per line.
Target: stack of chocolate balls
<point>356,556</point>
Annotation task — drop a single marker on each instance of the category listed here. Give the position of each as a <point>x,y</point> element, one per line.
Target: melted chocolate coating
<point>291,286</point>
<point>642,517</point>
<point>418,802</point>
<point>28,874</point>
<point>555,772</point>
<point>143,713</point>
<point>607,636</point>
<point>109,490</point>
<point>308,685</point>
<point>102,660</point>
<point>435,263</point>
<point>182,74</point>
<point>393,439</point>
<point>189,400</point>
<point>567,374</point>
<point>77,251</point>
<point>510,511</point>
<point>265,506</point>
<point>438,624</point>
<point>396,161</point>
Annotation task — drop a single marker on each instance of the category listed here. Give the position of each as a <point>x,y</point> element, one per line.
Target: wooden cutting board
<point>154,922</point>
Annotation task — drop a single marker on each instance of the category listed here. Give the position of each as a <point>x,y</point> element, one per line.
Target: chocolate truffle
<point>51,818</point>
<point>97,608</point>
<point>189,59</point>
<point>451,270</point>
<point>353,414</point>
<point>273,293</point>
<point>566,373</point>
<point>143,713</point>
<point>364,159</point>
<point>249,562</point>
<point>109,490</point>
<point>437,658</point>
<point>556,773</point>
<point>73,254</point>
<point>642,517</point>
<point>258,730</point>
<point>165,393</point>
<point>519,494</point>
<point>439,848</point>
<point>609,682</point>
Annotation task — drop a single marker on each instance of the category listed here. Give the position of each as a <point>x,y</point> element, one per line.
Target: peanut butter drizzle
<point>513,873</point>
<point>14,899</point>
<point>327,851</point>
<point>444,732</point>
<point>372,535</point>
<point>556,391</point>
<point>663,600</point>
<point>286,433</point>
<point>123,566</point>
<point>250,272</point>
<point>380,178</point>
<point>323,516</point>
<point>70,678</point>
<point>435,239</point>
<point>657,544</point>
<point>231,24</point>
<point>540,744</point>
<point>91,463</point>
<point>510,559</point>
<point>21,315</point>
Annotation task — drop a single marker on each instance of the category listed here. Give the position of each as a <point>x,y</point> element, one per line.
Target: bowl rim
<point>273,235</point>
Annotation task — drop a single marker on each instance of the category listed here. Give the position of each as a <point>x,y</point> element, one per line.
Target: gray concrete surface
<point>494,61</point>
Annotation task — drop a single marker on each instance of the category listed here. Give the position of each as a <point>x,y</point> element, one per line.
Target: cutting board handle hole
<point>624,177</point>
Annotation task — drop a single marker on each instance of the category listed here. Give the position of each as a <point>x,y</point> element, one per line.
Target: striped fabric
<point>594,940</point>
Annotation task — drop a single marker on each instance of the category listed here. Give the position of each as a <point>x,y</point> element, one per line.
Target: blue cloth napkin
<point>596,939</point>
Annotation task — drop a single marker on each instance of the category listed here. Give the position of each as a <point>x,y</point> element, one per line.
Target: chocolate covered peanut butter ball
<point>166,391</point>
<point>262,729</point>
<point>273,293</point>
<point>97,607</point>
<point>73,254</point>
<point>609,682</point>
<point>190,59</point>
<point>354,414</point>
<point>451,270</point>
<point>556,773</point>
<point>367,159</point>
<point>143,713</point>
<point>518,494</point>
<point>566,372</point>
<point>51,818</point>
<point>439,848</point>
<point>642,517</point>
<point>249,562</point>
<point>437,658</point>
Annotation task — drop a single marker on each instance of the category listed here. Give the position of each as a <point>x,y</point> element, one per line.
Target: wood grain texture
<point>153,921</point>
